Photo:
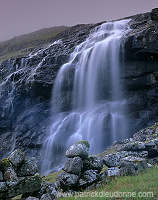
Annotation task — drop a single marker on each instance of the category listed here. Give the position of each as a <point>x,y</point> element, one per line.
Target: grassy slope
<point>146,181</point>
<point>24,44</point>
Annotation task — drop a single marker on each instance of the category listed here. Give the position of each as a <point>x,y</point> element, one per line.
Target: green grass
<point>24,44</point>
<point>144,182</point>
<point>51,177</point>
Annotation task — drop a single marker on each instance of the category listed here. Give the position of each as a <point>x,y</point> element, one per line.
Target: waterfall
<point>88,101</point>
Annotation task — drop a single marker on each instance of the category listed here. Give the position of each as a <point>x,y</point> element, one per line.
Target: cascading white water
<point>87,101</point>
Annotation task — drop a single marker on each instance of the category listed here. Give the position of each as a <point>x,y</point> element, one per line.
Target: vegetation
<point>143,184</point>
<point>24,44</point>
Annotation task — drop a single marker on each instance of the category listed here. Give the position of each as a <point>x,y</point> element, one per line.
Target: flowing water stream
<point>88,102</point>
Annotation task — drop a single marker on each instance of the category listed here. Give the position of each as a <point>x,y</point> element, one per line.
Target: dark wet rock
<point>73,166</point>
<point>16,157</point>
<point>28,168</point>
<point>80,149</point>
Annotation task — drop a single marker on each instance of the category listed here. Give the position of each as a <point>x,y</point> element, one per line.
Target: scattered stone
<point>16,157</point>
<point>73,166</point>
<point>93,162</point>
<point>80,149</point>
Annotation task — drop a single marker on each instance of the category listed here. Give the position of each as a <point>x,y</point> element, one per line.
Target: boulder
<point>68,181</point>
<point>112,160</point>
<point>88,177</point>
<point>73,166</point>
<point>28,168</point>
<point>113,171</point>
<point>136,146</point>
<point>131,165</point>
<point>16,157</point>
<point>52,188</point>
<point>80,149</point>
<point>93,162</point>
<point>24,185</point>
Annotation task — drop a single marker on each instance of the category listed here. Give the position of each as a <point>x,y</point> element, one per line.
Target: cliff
<point>26,83</point>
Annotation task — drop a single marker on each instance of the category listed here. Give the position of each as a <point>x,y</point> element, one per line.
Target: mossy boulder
<point>16,157</point>
<point>80,149</point>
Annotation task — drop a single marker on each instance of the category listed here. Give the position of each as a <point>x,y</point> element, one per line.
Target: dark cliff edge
<point>26,83</point>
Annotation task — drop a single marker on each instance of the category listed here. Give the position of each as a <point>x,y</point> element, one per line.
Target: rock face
<point>26,84</point>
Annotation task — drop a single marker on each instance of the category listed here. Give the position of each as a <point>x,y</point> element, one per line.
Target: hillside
<point>24,44</point>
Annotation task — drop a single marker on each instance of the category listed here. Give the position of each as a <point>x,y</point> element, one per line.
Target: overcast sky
<point>23,16</point>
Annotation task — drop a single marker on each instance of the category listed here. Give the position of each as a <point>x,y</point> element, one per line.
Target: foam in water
<point>88,101</point>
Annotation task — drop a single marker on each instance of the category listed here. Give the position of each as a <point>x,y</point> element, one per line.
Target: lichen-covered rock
<point>80,149</point>
<point>112,160</point>
<point>136,146</point>
<point>132,165</point>
<point>68,181</point>
<point>88,177</point>
<point>73,166</point>
<point>24,185</point>
<point>93,162</point>
<point>16,157</point>
<point>113,171</point>
<point>28,168</point>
